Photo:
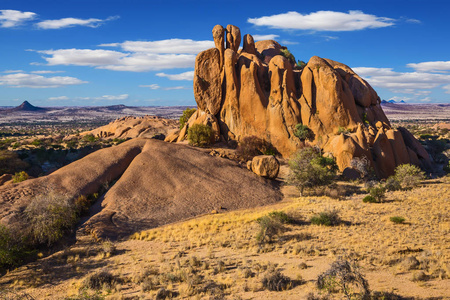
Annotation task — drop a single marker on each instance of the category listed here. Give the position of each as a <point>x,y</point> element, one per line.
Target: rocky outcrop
<point>258,91</point>
<point>133,127</point>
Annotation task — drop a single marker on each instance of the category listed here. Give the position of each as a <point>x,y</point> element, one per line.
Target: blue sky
<point>142,52</point>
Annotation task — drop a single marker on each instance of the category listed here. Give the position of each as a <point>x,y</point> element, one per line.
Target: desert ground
<point>218,255</point>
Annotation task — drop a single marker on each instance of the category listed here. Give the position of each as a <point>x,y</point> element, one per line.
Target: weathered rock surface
<point>265,166</point>
<point>133,127</point>
<point>157,183</point>
<point>257,91</point>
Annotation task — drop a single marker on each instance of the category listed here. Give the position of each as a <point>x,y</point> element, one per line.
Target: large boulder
<point>265,166</point>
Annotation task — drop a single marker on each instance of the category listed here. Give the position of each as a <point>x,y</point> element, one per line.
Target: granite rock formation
<point>258,91</point>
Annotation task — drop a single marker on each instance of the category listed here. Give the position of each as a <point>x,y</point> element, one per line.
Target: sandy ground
<point>216,256</point>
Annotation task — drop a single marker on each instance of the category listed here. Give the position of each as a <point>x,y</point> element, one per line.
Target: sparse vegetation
<point>49,215</point>
<point>271,225</point>
<point>308,168</point>
<point>288,55</point>
<point>101,280</point>
<point>200,135</point>
<point>408,176</point>
<point>187,113</point>
<point>20,176</point>
<point>273,280</point>
<point>326,218</point>
<point>397,220</point>
<point>344,276</point>
<point>251,146</point>
<point>377,194</point>
<point>303,132</point>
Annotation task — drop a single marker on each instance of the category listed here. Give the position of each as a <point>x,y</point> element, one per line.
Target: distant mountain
<point>26,106</point>
<point>391,101</point>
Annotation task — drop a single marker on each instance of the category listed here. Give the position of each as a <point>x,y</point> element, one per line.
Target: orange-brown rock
<point>261,94</point>
<point>208,81</point>
<point>233,37</point>
<point>265,166</point>
<point>219,41</point>
<point>133,127</point>
<point>156,183</point>
<point>249,44</point>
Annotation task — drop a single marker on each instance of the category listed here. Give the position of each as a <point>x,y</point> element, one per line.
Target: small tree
<point>20,176</point>
<point>199,135</point>
<point>308,168</point>
<point>187,113</point>
<point>303,132</point>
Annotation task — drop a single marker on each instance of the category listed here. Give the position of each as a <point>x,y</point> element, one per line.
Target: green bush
<point>49,216</point>
<point>326,218</point>
<point>397,220</point>
<point>187,113</point>
<point>251,146</point>
<point>303,132</point>
<point>20,176</point>
<point>300,64</point>
<point>392,184</point>
<point>290,57</point>
<point>308,169</point>
<point>377,192</point>
<point>89,138</point>
<point>408,176</point>
<point>369,199</point>
<point>200,135</point>
<point>11,248</point>
<point>344,276</point>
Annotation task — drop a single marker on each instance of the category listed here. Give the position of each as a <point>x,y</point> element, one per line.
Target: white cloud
<point>58,98</point>
<point>71,22</point>
<point>13,71</point>
<point>426,99</point>
<point>323,21</point>
<point>106,97</point>
<point>447,88</point>
<point>13,18</point>
<point>169,46</point>
<point>431,66</point>
<point>157,87</point>
<point>136,57</point>
<point>46,72</point>
<point>19,80</point>
<point>403,82</point>
<point>287,42</point>
<point>261,37</point>
<point>182,76</point>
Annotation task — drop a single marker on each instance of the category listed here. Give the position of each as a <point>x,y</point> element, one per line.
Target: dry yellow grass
<point>218,254</point>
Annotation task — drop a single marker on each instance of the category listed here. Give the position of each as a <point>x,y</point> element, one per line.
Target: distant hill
<point>391,101</point>
<point>27,106</point>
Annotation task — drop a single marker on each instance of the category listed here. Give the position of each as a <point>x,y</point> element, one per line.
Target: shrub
<point>308,168</point>
<point>301,64</point>
<point>290,57</point>
<point>408,176</point>
<point>273,280</point>
<point>326,218</point>
<point>10,162</point>
<point>343,130</point>
<point>268,229</point>
<point>20,176</point>
<point>303,132</point>
<point>89,138</point>
<point>392,184</point>
<point>345,277</point>
<point>187,113</point>
<point>397,220</point>
<point>49,216</point>
<point>101,280</point>
<point>199,135</point>
<point>11,248</point>
<point>251,146</point>
<point>377,193</point>
<point>369,199</point>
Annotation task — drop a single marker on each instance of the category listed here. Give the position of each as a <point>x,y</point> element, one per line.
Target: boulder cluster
<point>260,90</point>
